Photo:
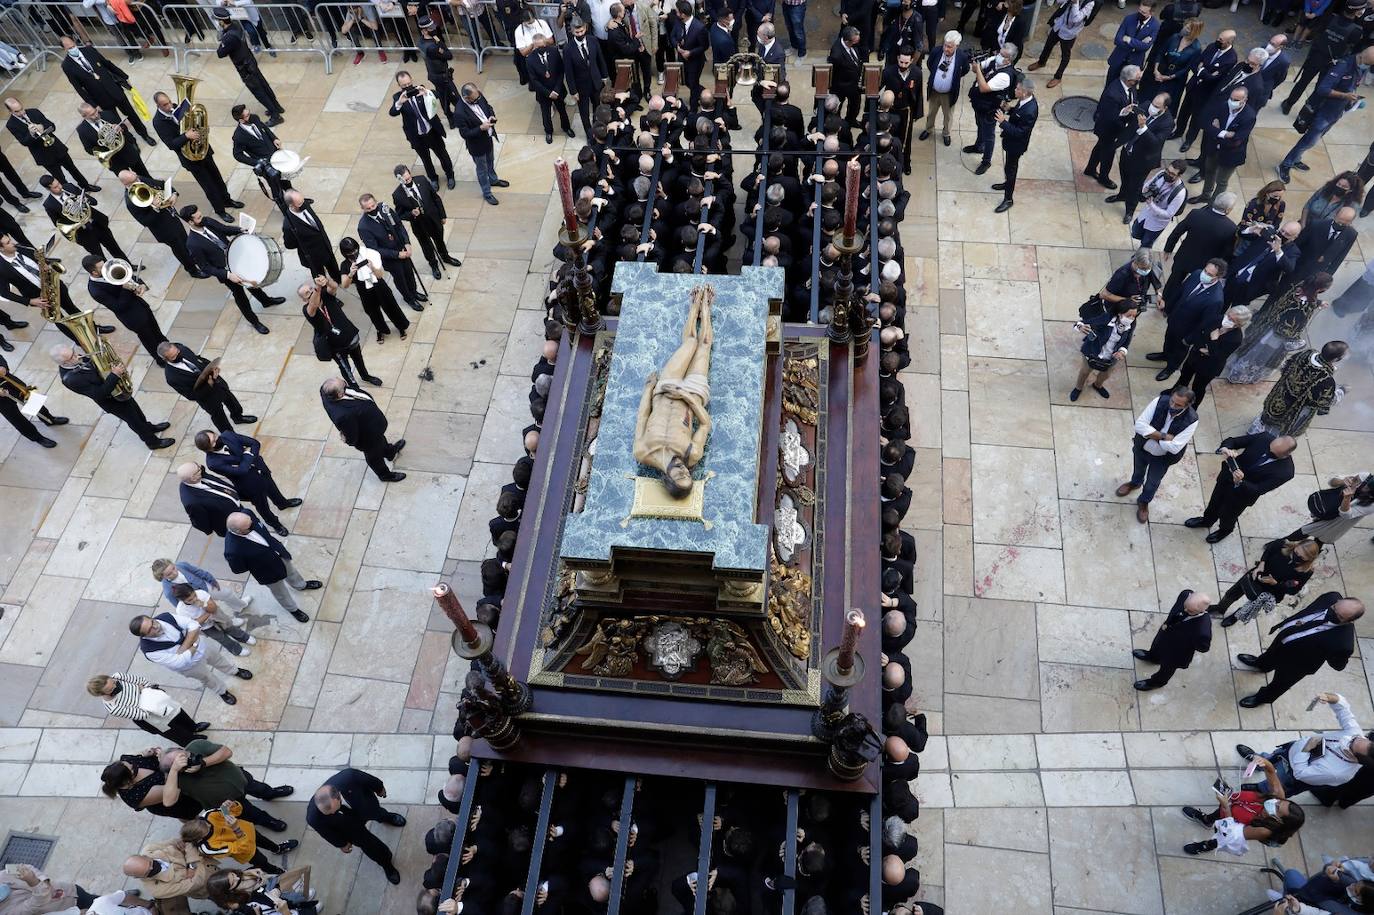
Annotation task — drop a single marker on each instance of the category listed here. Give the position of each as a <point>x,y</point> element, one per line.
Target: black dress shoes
<point>6,345</point>
<point>451,261</point>
<point>434,272</point>
<point>1249,702</point>
<point>1163,373</point>
<point>34,196</point>
<point>1218,535</point>
<point>299,616</point>
<point>1003,206</point>
<point>971,148</point>
<point>373,380</point>
<point>159,444</point>
<point>51,420</point>
<point>224,217</point>
<point>202,727</point>
<point>1107,183</point>
<point>1000,186</point>
<point>105,328</point>
<point>46,442</point>
<point>291,503</point>
<point>243,420</point>
<point>237,204</point>
<point>21,208</point>
<point>1155,357</point>
<point>395,819</point>
<point>569,132</point>
<point>499,182</point>
<point>283,791</point>
<point>274,300</point>
<point>548,138</point>
<point>16,325</point>
<point>228,698</point>
<point>982,168</point>
<point>1145,686</point>
<point>281,531</point>
<point>1140,654</point>
<point>393,876</point>
<point>396,477</point>
<point>261,328</point>
<point>925,135</point>
<point>451,183</point>
<point>1114,198</point>
<point>1196,521</point>
<point>243,673</point>
<point>159,427</point>
<point>313,584</point>
<point>1244,752</point>
<point>1248,660</point>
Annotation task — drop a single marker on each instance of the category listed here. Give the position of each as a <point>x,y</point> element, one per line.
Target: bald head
<point>1348,609</point>
<point>1283,446</point>
<point>599,888</point>
<point>1196,603</point>
<point>239,523</point>
<point>896,749</point>
<point>189,472</point>
<point>893,676</point>
<point>453,788</point>
<point>893,870</point>
<point>137,866</point>
<point>1345,215</point>
<point>327,799</point>
<point>333,388</point>
<point>894,624</point>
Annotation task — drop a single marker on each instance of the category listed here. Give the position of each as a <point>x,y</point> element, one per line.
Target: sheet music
<point>247,223</point>
<point>35,403</point>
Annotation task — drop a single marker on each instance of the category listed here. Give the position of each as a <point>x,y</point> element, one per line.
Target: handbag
<point>1325,504</point>
<point>1264,603</point>
<point>158,707</point>
<point>1093,308</point>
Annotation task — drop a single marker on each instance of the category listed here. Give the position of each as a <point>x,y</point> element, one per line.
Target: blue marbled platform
<point>653,308</point>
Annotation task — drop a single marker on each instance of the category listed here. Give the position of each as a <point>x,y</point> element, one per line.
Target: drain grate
<point>1075,112</point>
<point>24,848</point>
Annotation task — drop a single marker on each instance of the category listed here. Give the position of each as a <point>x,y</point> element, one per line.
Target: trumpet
<point>15,389</point>
<point>42,134</point>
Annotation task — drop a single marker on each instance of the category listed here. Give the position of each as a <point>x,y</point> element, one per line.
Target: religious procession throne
<point>700,634</point>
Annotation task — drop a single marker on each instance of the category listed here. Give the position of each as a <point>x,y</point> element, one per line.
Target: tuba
<point>98,350</point>
<point>197,118</point>
<point>76,213</point>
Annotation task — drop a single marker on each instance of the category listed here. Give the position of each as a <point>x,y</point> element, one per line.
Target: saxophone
<point>75,214</point>
<point>197,118</point>
<point>49,283</point>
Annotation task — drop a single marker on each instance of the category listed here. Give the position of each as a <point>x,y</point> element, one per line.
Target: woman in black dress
<point>336,337</point>
<point>1283,569</point>
<point>137,779</point>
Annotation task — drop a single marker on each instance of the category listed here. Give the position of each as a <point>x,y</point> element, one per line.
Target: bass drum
<point>256,258</point>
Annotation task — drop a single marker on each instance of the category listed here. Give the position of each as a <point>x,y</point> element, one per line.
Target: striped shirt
<point>124,704</point>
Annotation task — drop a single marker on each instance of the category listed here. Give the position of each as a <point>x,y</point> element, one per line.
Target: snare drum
<point>256,258</point>
<point>289,163</point>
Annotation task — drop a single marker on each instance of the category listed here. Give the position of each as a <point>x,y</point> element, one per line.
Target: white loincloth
<point>694,386</point>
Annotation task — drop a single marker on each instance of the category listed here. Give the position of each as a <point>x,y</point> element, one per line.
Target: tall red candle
<point>448,602</point>
<point>851,203</point>
<point>853,625</point>
<point>563,177</point>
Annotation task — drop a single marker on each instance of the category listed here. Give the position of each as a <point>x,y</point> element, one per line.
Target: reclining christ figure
<point>664,436</point>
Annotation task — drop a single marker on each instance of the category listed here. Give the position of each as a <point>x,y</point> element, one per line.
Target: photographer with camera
<point>1163,195</point>
<point>254,144</point>
<point>203,772</point>
<point>418,109</point>
<point>1334,96</point>
<point>1107,321</point>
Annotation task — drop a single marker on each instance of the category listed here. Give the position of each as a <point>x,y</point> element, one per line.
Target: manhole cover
<point>1075,112</point>
<point>26,849</point>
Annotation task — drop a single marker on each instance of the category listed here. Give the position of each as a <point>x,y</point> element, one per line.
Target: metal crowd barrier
<point>193,25</point>
<point>22,53</point>
<point>93,22</point>
<point>385,28</point>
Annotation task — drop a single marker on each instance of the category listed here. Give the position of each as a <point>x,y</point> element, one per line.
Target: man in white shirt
<point>1325,758</point>
<point>179,647</point>
<point>113,904</point>
<point>1162,433</point>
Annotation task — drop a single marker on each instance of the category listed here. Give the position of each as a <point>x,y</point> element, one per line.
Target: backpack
<point>1325,504</point>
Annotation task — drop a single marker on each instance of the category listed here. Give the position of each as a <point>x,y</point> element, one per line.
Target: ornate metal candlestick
<point>849,242</point>
<point>580,313</point>
<point>842,668</point>
<point>473,641</point>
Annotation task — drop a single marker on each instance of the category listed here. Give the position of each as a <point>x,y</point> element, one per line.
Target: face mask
<point>1153,110</point>
<point>1271,49</point>
<point>155,868</point>
<point>1208,279</point>
<point>1124,322</point>
<point>1271,807</point>
<point>1142,271</point>
<point>1227,324</point>
<point>118,687</point>
<point>1234,105</point>
<point>4,891</point>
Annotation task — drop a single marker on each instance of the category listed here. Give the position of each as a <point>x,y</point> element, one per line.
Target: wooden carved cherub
<point>676,396</point>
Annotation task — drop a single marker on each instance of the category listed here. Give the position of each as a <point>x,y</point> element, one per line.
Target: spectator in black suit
<point>626,45</point>
<point>95,236</point>
<point>721,37</point>
<point>1185,631</point>
<point>1225,139</point>
<point>1205,233</point>
<point>1323,246</point>
<point>362,424</point>
<point>207,498</point>
<point>183,372</point>
<point>1323,632</point>
<point>342,808</point>
<point>1197,303</point>
<point>304,230</point>
<point>250,547</point>
<point>233,44</point>
<point>584,71</point>
<point>1259,463</point>
<point>1142,150</point>
<point>77,374</point>
<point>100,83</point>
<point>1273,72</point>
<point>88,133</point>
<point>1209,348</point>
<point>902,77</point>
<point>947,69</point>
<point>1113,122</point>
<point>30,126</point>
<point>424,130</point>
<point>208,242</point>
<point>238,458</point>
<point>544,67</point>
<point>254,145</point>
<point>126,302</point>
<point>417,201</point>
<point>204,170</point>
<point>161,222</point>
<point>861,14</point>
<point>1017,124</point>
<point>381,229</point>
<point>1218,59</point>
<point>1260,261</point>
<point>477,126</point>
<point>336,337</point>
<point>691,49</point>
<point>846,73</point>
<point>1244,74</point>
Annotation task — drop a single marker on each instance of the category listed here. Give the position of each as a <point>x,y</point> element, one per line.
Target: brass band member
<point>100,130</point>
<point>208,242</point>
<point>20,281</point>
<point>234,45</point>
<point>205,171</point>
<point>13,393</point>
<point>100,83</point>
<point>67,204</point>
<point>80,375</point>
<point>158,216</point>
<point>198,380</point>
<point>36,133</point>
<point>126,302</point>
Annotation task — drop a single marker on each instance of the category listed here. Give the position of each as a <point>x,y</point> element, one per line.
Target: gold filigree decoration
<point>801,388</point>
<point>613,646</point>
<point>734,660</point>
<point>789,606</point>
<point>563,609</point>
